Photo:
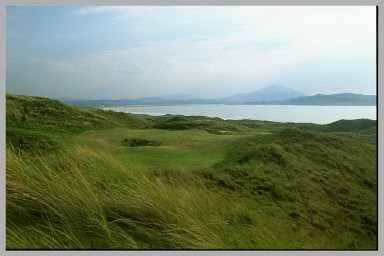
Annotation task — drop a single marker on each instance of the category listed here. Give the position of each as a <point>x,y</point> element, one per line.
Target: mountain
<point>273,95</point>
<point>178,96</point>
<point>266,94</point>
<point>341,99</point>
<point>140,101</point>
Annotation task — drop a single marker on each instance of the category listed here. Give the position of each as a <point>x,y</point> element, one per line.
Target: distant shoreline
<point>273,113</point>
<point>213,104</point>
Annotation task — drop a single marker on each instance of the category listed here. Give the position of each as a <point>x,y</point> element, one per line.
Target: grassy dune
<point>205,184</point>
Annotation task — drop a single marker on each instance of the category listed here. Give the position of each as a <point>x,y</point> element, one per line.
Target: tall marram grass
<point>88,199</point>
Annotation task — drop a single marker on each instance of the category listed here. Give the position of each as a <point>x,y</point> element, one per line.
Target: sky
<point>91,52</point>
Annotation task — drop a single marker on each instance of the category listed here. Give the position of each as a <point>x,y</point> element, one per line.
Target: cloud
<point>215,51</point>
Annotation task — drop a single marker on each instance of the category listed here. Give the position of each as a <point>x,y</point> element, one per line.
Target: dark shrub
<point>137,142</point>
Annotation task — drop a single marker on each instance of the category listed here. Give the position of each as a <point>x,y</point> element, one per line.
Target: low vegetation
<point>87,178</point>
<point>211,125</point>
<point>30,142</point>
<point>137,142</point>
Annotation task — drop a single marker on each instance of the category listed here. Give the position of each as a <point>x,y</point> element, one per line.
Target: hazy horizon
<point>113,52</point>
<point>182,96</point>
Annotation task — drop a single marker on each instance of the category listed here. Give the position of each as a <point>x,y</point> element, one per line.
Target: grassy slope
<point>326,181</point>
<point>49,114</point>
<point>198,189</point>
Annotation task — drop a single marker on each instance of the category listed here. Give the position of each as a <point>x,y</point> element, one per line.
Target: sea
<point>277,113</point>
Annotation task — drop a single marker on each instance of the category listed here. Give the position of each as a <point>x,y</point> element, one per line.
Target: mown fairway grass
<point>186,148</point>
<point>258,185</point>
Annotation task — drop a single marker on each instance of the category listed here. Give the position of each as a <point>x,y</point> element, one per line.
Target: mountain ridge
<point>275,92</point>
<point>339,99</point>
<point>272,95</point>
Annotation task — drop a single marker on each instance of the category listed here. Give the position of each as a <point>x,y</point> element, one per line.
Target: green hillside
<point>87,178</point>
<point>320,180</point>
<point>360,129</point>
<point>212,125</point>
<point>365,126</point>
<point>44,112</point>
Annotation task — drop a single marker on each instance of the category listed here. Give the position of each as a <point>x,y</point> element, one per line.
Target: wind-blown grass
<point>324,181</point>
<point>214,184</point>
<point>87,199</point>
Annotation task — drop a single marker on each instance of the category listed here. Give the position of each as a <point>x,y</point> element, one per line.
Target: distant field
<point>185,182</point>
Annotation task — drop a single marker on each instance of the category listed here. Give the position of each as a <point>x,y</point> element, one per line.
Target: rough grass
<point>88,199</point>
<point>215,184</point>
<point>211,125</point>
<point>322,180</point>
<point>261,197</point>
<point>37,112</point>
<point>30,142</point>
